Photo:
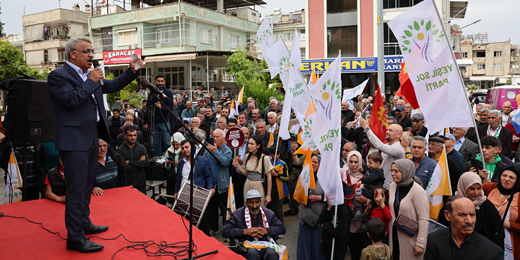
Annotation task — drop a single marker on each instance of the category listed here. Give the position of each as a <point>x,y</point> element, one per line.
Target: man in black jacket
<point>136,159</point>
<point>459,241</point>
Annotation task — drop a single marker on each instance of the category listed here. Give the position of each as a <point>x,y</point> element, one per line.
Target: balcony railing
<point>102,42</point>
<point>169,35</point>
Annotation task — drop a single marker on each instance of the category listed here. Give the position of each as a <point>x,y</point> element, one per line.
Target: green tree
<point>248,73</point>
<point>12,63</point>
<point>129,92</point>
<point>2,33</point>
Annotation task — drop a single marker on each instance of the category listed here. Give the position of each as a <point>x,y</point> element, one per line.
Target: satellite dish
<point>455,27</point>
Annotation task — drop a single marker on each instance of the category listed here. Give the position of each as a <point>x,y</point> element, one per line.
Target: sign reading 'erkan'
<point>119,56</point>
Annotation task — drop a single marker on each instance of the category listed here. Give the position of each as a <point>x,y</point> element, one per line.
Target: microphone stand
<point>193,140</point>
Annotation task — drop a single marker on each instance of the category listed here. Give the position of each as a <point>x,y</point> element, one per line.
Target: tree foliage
<point>129,92</point>
<point>12,64</point>
<point>248,73</point>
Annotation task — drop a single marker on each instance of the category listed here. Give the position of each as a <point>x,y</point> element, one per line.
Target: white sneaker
<point>281,236</point>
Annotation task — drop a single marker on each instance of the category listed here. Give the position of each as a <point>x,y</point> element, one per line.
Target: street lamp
<point>470,24</point>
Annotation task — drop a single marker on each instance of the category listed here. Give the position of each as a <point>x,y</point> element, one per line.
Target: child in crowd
<point>378,208</point>
<point>55,183</point>
<point>374,177</point>
<point>378,250</point>
<point>279,184</point>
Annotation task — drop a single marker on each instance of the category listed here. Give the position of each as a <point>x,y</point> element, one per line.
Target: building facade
<point>350,26</point>
<point>185,42</point>
<point>490,60</point>
<point>45,35</point>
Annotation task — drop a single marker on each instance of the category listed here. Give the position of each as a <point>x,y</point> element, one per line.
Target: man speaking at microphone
<point>77,97</point>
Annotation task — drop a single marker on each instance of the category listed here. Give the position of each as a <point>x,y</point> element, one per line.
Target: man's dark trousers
<point>81,174</point>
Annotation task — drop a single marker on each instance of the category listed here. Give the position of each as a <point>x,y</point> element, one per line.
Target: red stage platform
<point>124,210</point>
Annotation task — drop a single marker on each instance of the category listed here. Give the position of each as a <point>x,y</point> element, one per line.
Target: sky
<point>498,17</point>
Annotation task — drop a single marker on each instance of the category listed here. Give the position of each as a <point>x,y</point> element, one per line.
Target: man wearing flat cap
<point>418,125</point>
<point>435,148</point>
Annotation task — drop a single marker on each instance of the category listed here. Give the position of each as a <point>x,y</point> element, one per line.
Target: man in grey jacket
<point>136,159</point>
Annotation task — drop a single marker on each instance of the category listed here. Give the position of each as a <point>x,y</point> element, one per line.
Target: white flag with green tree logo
<point>326,130</point>
<point>432,68</point>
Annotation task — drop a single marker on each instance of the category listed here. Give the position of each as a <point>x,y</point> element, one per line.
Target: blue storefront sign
<point>352,65</point>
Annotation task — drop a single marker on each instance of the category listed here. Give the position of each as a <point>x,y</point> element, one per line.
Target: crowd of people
<point>386,212</point>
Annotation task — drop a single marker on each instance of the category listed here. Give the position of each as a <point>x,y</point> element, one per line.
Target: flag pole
<point>334,221</point>
<point>463,90</point>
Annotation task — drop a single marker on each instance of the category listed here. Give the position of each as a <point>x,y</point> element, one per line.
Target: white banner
<point>351,93</point>
<point>326,130</point>
<point>432,68</point>
<point>264,35</point>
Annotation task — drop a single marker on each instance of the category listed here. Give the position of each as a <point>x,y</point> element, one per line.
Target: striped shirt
<point>106,176</point>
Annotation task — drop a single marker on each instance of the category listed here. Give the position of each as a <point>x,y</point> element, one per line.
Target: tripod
<point>193,141</point>
<point>152,137</point>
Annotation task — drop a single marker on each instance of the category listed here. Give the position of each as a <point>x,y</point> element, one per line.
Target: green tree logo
<point>330,91</point>
<point>285,65</point>
<point>264,36</point>
<point>421,35</point>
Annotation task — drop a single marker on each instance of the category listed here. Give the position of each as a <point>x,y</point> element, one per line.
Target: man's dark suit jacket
<point>439,247</point>
<point>469,150</point>
<point>202,176</point>
<point>506,137</point>
<point>74,107</point>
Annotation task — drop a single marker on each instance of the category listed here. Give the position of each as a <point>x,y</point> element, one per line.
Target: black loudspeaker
<point>30,116</point>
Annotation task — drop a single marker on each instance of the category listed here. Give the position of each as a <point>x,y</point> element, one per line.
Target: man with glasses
<point>435,148</point>
<point>77,97</point>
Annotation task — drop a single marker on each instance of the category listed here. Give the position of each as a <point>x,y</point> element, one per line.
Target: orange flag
<point>378,120</point>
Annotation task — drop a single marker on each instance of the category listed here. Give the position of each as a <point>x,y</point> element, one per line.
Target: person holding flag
<point>390,151</point>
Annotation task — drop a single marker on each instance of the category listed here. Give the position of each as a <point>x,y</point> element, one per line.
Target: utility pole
<point>380,48</point>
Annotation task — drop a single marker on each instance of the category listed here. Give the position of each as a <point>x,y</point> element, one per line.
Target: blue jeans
<point>113,143</point>
<point>161,137</point>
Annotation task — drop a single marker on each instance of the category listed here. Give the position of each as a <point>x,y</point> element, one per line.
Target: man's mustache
<point>467,225</point>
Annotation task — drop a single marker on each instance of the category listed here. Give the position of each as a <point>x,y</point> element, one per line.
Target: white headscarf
<point>177,137</point>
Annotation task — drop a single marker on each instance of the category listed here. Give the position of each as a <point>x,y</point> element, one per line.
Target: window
<point>344,39</point>
<point>234,41</point>
<point>391,45</point>
<point>497,66</point>
<point>341,6</point>
<point>207,36</point>
<point>389,4</point>
<point>127,37</point>
<point>174,76</point>
<point>498,53</point>
<point>481,66</point>
<point>464,55</point>
<point>480,54</point>
<point>302,53</point>
<point>163,35</point>
<point>288,36</point>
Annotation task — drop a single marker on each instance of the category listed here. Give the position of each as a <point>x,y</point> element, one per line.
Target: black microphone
<point>96,65</point>
<point>145,83</point>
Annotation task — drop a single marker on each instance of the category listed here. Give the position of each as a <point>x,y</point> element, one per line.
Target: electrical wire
<point>177,249</point>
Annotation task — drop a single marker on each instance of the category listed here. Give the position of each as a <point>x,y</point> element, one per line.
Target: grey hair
<point>101,140</point>
<point>72,43</point>
<point>479,105</point>
<point>465,129</point>
<point>260,120</point>
<point>218,130</point>
<point>364,100</point>
<point>420,138</point>
<point>271,114</point>
<point>496,112</point>
<point>200,134</point>
<point>400,101</point>
<point>195,118</point>
<point>223,118</point>
<point>483,110</point>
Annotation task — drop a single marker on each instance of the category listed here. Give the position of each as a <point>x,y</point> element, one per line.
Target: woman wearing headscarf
<point>498,194</point>
<point>350,179</point>
<point>174,151</point>
<point>488,222</point>
<point>407,198</point>
<point>309,238</point>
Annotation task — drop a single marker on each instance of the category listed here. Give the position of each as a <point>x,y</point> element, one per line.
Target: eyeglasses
<point>87,51</point>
